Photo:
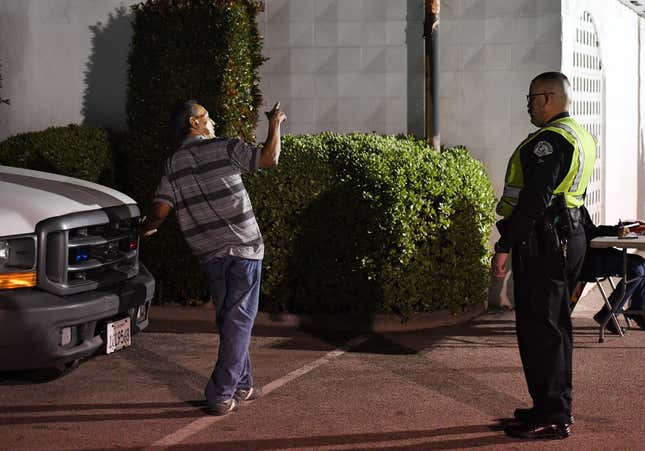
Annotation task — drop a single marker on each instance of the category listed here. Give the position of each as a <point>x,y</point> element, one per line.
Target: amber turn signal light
<point>17,280</point>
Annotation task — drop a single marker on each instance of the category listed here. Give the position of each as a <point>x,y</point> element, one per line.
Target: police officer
<point>546,180</point>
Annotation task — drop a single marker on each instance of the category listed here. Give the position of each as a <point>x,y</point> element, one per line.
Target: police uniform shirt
<point>545,160</point>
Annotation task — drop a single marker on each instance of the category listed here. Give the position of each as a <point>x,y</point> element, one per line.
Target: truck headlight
<point>17,262</point>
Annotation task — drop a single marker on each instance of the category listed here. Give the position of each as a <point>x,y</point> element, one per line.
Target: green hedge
<point>75,150</point>
<point>364,223</point>
<point>208,50</point>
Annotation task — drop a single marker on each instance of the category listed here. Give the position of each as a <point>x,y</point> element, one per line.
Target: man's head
<point>549,95</point>
<point>189,118</point>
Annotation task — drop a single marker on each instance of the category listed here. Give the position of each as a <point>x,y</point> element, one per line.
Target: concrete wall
<point>344,65</point>
<point>338,65</point>
<point>490,51</point>
<point>63,62</point>
<point>619,53</point>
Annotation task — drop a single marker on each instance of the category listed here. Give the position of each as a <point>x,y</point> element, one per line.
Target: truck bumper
<point>32,321</point>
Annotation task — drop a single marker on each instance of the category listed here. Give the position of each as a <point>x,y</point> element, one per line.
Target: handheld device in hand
<point>274,110</point>
<point>149,232</point>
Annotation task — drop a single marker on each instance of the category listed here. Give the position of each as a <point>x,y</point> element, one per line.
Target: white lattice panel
<point>588,105</point>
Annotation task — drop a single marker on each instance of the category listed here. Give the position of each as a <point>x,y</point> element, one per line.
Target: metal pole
<point>640,155</point>
<point>7,101</point>
<point>431,35</point>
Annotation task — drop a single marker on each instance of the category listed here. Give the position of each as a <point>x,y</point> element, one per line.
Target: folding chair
<point>619,308</point>
<point>580,286</point>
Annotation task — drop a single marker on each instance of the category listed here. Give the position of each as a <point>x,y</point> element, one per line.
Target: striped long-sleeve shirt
<point>202,181</point>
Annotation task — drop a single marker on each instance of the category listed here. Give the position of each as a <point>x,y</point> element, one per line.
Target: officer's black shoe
<point>538,432</point>
<point>524,416</point>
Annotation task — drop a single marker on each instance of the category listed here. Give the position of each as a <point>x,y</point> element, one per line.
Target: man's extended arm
<point>270,153</point>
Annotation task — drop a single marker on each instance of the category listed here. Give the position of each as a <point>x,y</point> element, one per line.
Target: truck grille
<point>89,250</point>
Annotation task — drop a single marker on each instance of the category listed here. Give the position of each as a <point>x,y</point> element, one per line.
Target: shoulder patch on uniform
<point>543,148</point>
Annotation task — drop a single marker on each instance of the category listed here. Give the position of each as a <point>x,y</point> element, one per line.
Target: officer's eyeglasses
<point>529,97</point>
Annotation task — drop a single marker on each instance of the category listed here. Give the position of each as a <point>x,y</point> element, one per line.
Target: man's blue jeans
<point>234,283</point>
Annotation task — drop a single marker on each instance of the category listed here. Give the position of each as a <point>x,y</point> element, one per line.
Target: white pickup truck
<point>70,279</point>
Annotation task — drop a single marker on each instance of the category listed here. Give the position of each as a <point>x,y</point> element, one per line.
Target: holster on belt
<point>573,216</point>
<point>557,225</point>
<point>565,219</point>
<point>548,237</point>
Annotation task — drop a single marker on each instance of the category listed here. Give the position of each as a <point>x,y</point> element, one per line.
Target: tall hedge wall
<point>365,223</point>
<point>75,150</point>
<point>209,50</point>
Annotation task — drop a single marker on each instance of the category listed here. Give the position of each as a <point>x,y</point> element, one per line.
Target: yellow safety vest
<point>574,184</point>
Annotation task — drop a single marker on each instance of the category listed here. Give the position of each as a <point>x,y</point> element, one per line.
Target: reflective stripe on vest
<point>581,154</point>
<point>511,191</point>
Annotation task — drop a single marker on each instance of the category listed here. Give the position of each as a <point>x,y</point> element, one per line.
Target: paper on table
<point>629,224</point>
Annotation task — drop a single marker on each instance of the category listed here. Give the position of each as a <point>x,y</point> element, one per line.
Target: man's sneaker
<point>248,395</point>
<point>225,407</point>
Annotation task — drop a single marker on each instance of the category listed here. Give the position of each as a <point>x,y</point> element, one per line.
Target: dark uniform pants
<point>543,281</point>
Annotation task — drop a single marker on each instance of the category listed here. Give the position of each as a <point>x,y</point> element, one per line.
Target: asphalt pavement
<point>443,387</point>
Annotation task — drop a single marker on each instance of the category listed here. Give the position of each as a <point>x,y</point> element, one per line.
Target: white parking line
<point>196,426</point>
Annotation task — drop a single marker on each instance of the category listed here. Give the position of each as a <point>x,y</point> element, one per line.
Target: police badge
<point>543,148</point>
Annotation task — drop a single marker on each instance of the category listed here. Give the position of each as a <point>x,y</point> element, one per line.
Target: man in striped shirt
<point>202,182</point>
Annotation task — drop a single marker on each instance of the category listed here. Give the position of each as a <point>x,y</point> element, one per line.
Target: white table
<point>624,244</point>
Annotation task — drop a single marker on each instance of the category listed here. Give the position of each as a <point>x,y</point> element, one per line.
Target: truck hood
<point>28,197</point>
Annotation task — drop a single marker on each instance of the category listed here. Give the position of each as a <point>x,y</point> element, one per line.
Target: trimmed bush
<point>364,223</point>
<point>208,50</point>
<point>76,151</point>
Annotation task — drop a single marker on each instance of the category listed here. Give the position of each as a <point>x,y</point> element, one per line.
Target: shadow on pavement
<point>102,416</point>
<point>314,442</point>
<point>472,334</point>
<point>312,336</point>
<point>33,408</point>
<point>28,377</point>
<point>207,326</point>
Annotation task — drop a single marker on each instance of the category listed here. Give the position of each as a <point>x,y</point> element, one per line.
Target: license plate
<point>118,335</point>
